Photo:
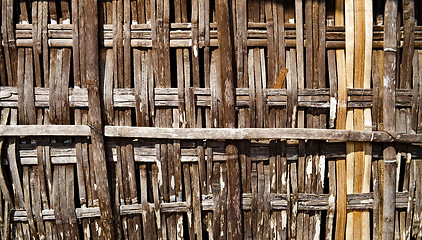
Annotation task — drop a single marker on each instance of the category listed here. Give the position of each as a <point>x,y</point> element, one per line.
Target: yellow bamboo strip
<point>350,27</point>
<point>367,114</point>
<point>350,157</point>
<point>341,124</point>
<point>358,80</point>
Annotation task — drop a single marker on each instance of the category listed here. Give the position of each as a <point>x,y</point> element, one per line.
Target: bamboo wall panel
<point>211,119</point>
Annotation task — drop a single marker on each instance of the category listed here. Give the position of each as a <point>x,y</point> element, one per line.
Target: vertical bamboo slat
<point>390,51</point>
<point>92,83</point>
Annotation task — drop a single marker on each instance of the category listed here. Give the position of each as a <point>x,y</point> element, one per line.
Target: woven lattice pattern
<point>211,119</point>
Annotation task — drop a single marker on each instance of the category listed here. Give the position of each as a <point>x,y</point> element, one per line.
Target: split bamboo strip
<point>350,147</point>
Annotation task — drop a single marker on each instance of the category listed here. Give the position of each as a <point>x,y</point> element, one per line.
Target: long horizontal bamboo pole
<point>259,133</point>
<point>212,133</point>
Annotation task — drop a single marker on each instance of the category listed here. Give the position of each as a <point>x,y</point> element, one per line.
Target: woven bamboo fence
<point>203,119</point>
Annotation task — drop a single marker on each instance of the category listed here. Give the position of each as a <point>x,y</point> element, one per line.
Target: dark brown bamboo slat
<point>227,85</point>
<point>92,82</point>
<point>390,58</point>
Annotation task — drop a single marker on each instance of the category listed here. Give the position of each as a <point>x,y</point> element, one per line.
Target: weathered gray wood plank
<point>251,133</point>
<point>44,130</point>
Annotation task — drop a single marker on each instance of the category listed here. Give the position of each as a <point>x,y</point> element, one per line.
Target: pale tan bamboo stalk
<point>349,23</point>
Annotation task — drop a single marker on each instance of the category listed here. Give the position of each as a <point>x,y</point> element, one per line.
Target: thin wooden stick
<point>6,194</point>
<point>390,49</point>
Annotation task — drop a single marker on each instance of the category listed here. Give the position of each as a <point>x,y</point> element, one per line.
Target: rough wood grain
<point>297,163</point>
<point>390,58</point>
<point>260,133</point>
<point>92,79</point>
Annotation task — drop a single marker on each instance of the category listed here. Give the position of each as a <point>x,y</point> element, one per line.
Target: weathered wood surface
<point>145,154</point>
<point>308,202</point>
<point>261,133</point>
<point>202,97</point>
<point>53,130</point>
<point>60,35</point>
<point>210,119</point>
<point>213,134</point>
